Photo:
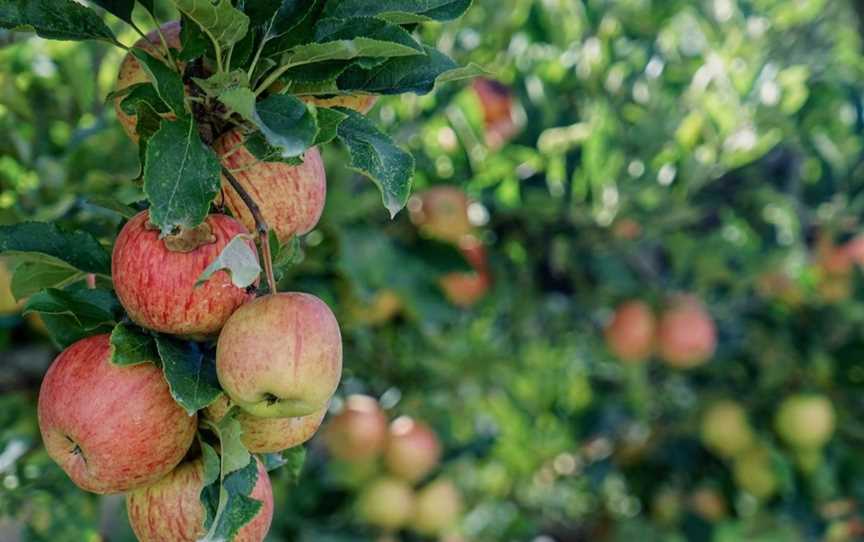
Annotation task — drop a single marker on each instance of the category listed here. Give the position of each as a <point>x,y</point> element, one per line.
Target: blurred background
<point>700,162</point>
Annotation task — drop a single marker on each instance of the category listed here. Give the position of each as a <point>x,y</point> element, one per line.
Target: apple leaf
<point>55,19</point>
<point>232,89</point>
<point>416,74</point>
<point>219,19</point>
<point>142,92</point>
<point>111,204</point>
<point>375,155</point>
<point>285,23</point>
<point>36,240</point>
<point>181,176</point>
<point>332,29</point>
<point>74,313</point>
<point>239,259</point>
<point>346,49</point>
<point>190,372</point>
<point>31,276</point>
<point>236,507</point>
<point>286,123</point>
<point>328,125</point>
<point>295,458</point>
<point>122,9</point>
<point>167,82</point>
<point>399,11</point>
<point>131,345</point>
<point>193,41</point>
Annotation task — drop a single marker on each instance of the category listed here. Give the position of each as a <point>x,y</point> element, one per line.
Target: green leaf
<point>78,249</point>
<point>286,123</point>
<point>415,74</point>
<point>232,89</point>
<point>239,259</point>
<point>328,124</point>
<point>55,19</point>
<point>168,83</point>
<point>194,43</point>
<point>122,9</point>
<point>291,21</point>
<point>190,372</point>
<point>295,458</point>
<point>463,72</point>
<point>32,276</point>
<point>236,507</point>
<point>89,309</point>
<point>399,11</point>
<point>181,176</point>
<point>111,204</point>
<point>146,93</point>
<point>311,53</point>
<point>365,27</point>
<point>147,124</point>
<point>225,24</point>
<point>131,346</point>
<point>375,155</point>
<point>64,330</point>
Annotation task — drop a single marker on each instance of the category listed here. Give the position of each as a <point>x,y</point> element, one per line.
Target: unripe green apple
<point>805,420</point>
<point>441,213</point>
<point>131,72</point>
<point>155,278</point>
<point>359,432</point>
<point>726,430</point>
<point>437,508</point>
<point>171,509</point>
<point>290,198</point>
<point>413,449</point>
<point>280,356</point>
<point>387,503</point>
<point>111,428</point>
<point>630,333</point>
<point>686,335</point>
<point>754,473</point>
<point>269,435</point>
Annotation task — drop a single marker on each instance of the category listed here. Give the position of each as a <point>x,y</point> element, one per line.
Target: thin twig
<point>260,226</point>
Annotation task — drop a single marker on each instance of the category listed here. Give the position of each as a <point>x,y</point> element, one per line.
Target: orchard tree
<point>179,362</point>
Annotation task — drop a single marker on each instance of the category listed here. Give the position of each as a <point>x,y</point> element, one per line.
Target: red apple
<point>626,229</point>
<point>437,508</point>
<point>686,335</point>
<point>495,98</point>
<point>110,428</point>
<point>269,435</point>
<point>387,503</point>
<point>630,333</point>
<point>726,430</point>
<point>155,278</point>
<point>171,510</point>
<point>358,102</point>
<point>854,249</point>
<point>441,213</point>
<point>805,420</point>
<point>413,449</point>
<point>466,289</point>
<point>291,198</point>
<point>359,432</point>
<point>132,73</point>
<point>280,356</point>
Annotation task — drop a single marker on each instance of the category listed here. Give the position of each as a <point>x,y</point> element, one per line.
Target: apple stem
<point>260,226</point>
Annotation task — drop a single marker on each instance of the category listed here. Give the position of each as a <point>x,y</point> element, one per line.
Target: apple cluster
<point>278,356</point>
<point>394,457</point>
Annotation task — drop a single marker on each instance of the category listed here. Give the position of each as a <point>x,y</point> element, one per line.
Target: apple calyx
<point>187,239</point>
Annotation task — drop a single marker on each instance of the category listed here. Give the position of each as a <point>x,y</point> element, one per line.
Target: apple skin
<point>441,213</point>
<point>157,286</point>
<point>269,435</point>
<point>361,103</point>
<point>687,336</point>
<point>437,508</point>
<point>387,503</point>
<point>110,428</point>
<point>466,289</point>
<point>630,333</point>
<point>132,73</point>
<point>805,421</point>
<point>291,198</point>
<point>359,432</point>
<point>171,508</point>
<point>413,449</point>
<point>754,473</point>
<point>495,98</point>
<point>726,430</point>
<point>280,356</point>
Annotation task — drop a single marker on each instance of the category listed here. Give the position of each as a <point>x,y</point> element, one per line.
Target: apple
<point>280,356</point>
<point>630,333</point>
<point>667,506</point>
<point>383,307</point>
<point>171,508</point>
<point>466,289</point>
<point>387,503</point>
<point>413,449</point>
<point>269,435</point>
<point>8,303</point>
<point>686,336</point>
<point>754,473</point>
<point>155,278</point>
<point>291,198</point>
<point>854,249</point>
<point>110,428</point>
<point>359,432</point>
<point>358,102</point>
<point>726,430</point>
<point>437,508</point>
<point>805,420</point>
<point>441,213</point>
<point>709,504</point>
<point>495,99</point>
<point>626,229</point>
<point>132,73</point>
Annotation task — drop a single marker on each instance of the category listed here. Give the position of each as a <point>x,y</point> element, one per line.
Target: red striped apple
<point>359,431</point>
<point>291,198</point>
<point>387,503</point>
<point>630,333</point>
<point>437,508</point>
<point>441,213</point>
<point>132,73</point>
<point>686,335</point>
<point>413,449</point>
<point>110,428</point>
<point>155,278</point>
<point>280,356</point>
<point>171,510</point>
<point>269,435</point>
